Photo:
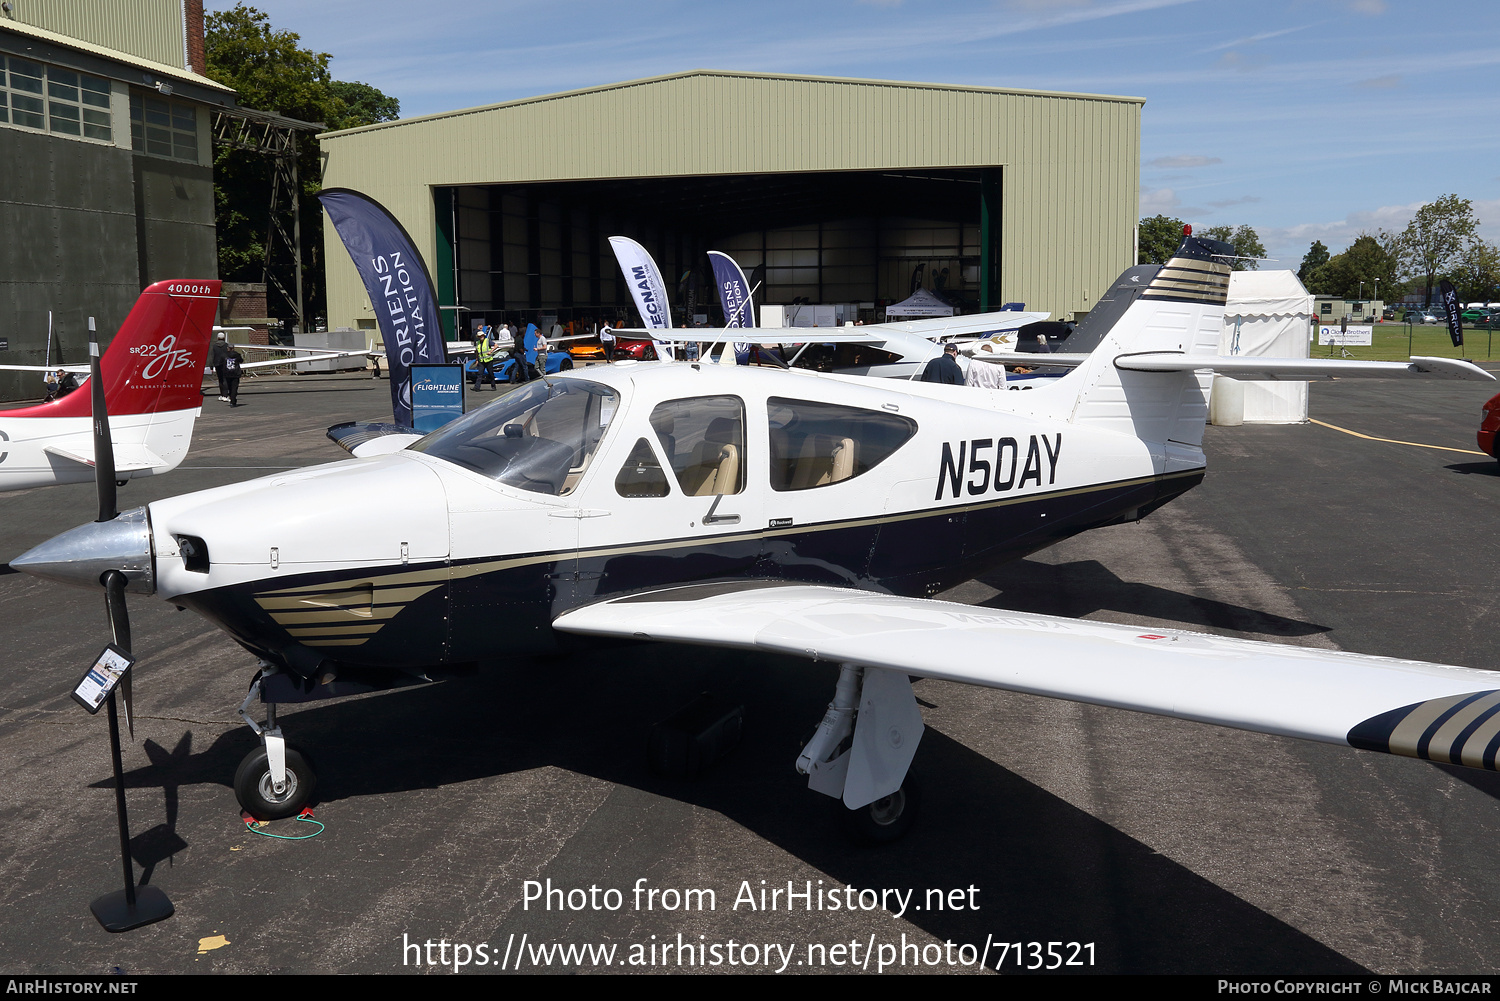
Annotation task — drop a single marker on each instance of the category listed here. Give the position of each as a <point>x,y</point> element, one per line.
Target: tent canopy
<point>920,303</point>
<point>1267,293</point>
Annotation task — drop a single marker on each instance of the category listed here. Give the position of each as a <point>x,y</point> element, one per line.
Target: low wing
<point>292,350</point>
<point>759,335</point>
<point>1431,711</point>
<point>82,369</point>
<point>1245,367</point>
<point>967,325</point>
<point>324,356</point>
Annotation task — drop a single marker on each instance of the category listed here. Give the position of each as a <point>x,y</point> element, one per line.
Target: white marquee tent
<point>920,303</point>
<point>1269,314</point>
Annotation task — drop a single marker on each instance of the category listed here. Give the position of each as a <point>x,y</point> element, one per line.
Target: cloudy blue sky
<point>1307,119</point>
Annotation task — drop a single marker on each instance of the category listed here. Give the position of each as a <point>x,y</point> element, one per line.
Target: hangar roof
<point>727,74</point>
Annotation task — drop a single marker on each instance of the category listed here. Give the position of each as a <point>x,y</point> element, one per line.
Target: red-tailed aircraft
<point>153,383</point>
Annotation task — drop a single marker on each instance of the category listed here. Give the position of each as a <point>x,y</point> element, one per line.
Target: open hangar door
<point>524,252</point>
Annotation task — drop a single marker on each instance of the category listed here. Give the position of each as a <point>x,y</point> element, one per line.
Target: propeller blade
<point>104,449</point>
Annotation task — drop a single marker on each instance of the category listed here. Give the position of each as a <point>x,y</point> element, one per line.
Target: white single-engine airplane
<point>787,511</point>
<point>153,381</point>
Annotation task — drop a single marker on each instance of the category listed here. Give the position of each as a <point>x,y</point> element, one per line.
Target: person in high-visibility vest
<point>484,356</point>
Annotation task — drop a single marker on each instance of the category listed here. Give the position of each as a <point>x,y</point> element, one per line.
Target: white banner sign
<point>644,279</point>
<point>1355,336</point>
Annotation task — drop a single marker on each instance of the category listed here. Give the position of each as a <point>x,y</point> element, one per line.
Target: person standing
<point>484,359</point>
<point>542,347</point>
<point>944,368</point>
<point>607,341</point>
<point>216,359</point>
<point>521,371</point>
<point>233,361</point>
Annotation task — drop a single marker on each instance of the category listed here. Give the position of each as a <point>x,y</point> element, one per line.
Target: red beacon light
<point>1187,229</point>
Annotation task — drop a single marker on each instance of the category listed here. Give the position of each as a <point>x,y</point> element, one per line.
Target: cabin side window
<point>704,440</point>
<point>820,444</point>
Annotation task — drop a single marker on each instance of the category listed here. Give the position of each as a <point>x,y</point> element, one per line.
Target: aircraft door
<point>685,500</point>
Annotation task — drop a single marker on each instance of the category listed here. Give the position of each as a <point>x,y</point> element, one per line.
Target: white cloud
<point>1182,162</point>
<point>1158,202</point>
<point>1242,200</point>
<point>1291,242</point>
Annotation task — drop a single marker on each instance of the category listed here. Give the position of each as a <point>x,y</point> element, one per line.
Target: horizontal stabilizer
<point>1404,707</point>
<point>128,457</point>
<point>1302,369</point>
<point>1269,369</point>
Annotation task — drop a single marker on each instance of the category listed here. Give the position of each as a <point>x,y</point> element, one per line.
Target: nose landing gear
<point>273,781</point>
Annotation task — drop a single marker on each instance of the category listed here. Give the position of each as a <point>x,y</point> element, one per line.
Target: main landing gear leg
<point>273,781</point>
<point>863,750</point>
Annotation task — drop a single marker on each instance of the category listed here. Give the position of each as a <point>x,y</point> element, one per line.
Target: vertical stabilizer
<point>1180,310</point>
<point>155,363</point>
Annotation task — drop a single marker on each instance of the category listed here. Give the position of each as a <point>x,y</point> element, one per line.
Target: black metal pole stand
<point>131,907</point>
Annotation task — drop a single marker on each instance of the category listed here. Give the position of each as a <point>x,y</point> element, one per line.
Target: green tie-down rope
<point>306,816</point>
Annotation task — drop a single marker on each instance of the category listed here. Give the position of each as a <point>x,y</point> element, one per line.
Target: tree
<point>362,105</point>
<point>1245,242</point>
<point>1159,237</point>
<point>1436,239</point>
<point>1315,258</point>
<point>270,71</point>
<point>1366,269</point>
<point>1477,277</point>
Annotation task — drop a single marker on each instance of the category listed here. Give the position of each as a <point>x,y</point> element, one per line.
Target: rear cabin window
<point>704,440</point>
<point>820,444</point>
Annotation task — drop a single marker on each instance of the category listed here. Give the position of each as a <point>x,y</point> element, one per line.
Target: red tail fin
<point>155,363</point>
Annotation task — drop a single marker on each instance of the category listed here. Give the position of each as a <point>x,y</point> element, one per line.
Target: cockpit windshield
<point>538,438</point>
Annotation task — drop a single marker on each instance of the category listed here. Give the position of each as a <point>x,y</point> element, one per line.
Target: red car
<point>1489,424</point>
<point>637,350</point>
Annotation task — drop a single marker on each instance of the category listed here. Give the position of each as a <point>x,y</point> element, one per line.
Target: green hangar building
<point>838,189</point>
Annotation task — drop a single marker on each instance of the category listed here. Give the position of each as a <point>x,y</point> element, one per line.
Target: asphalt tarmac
<point>1154,845</point>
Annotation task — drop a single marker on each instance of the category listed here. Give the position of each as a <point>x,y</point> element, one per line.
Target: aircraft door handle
<point>719,519</point>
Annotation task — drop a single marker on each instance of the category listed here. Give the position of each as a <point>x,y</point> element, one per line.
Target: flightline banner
<point>437,395</point>
<point>645,281</point>
<point>1451,310</point>
<point>400,289</point>
<point>734,296</point>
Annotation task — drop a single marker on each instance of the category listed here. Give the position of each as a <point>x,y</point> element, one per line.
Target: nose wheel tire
<point>885,820</point>
<point>257,794</point>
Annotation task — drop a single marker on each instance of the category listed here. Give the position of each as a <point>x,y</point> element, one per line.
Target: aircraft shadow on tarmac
<point>1048,871</point>
<point>1489,467</point>
<point>1076,589</point>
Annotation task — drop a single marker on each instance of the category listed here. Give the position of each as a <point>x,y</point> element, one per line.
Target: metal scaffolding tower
<point>274,136</point>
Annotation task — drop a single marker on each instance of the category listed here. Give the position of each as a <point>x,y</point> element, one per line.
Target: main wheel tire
<point>252,786</point>
<point>566,366</point>
<point>885,820</point>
